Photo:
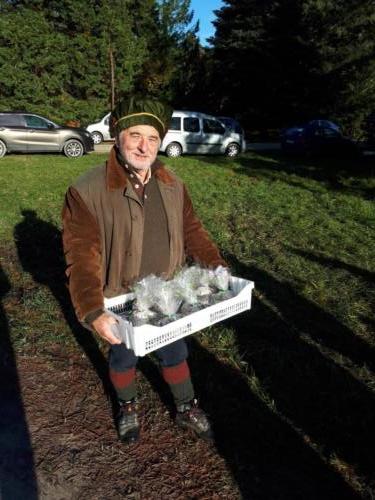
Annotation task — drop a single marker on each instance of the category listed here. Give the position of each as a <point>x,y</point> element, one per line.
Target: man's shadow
<point>40,251</point>
<point>17,468</point>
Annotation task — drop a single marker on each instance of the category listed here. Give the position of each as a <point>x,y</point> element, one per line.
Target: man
<point>121,222</point>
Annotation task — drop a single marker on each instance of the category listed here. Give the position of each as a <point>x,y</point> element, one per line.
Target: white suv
<point>198,133</point>
<point>100,130</point>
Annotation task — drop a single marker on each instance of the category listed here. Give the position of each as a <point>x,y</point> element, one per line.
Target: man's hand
<point>103,326</point>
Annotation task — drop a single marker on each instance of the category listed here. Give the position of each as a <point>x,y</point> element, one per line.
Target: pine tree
<point>165,25</point>
<point>343,36</point>
<point>279,62</point>
<point>192,76</point>
<point>73,57</point>
<point>33,62</point>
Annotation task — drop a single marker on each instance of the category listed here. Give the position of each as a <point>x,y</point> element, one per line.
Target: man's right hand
<point>103,326</point>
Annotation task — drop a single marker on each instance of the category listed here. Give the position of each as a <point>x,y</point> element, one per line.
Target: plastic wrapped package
<point>169,299</point>
<point>122,329</point>
<point>215,298</point>
<point>188,282</point>
<point>203,294</point>
<point>145,291</point>
<point>221,278</point>
<point>139,318</point>
<point>158,301</point>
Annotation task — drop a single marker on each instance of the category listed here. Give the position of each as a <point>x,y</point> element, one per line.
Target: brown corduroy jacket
<point>103,233</point>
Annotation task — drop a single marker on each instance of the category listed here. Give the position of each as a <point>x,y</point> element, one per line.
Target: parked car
<point>231,124</point>
<point>32,133</point>
<point>197,133</point>
<point>100,130</point>
<point>369,128</point>
<point>318,137</point>
<point>234,126</point>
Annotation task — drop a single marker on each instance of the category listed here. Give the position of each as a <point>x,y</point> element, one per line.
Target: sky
<point>203,11</point>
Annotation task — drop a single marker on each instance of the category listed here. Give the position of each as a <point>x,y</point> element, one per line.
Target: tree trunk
<point>112,77</point>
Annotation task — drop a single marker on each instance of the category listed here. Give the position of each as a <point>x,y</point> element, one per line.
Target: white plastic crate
<point>147,338</point>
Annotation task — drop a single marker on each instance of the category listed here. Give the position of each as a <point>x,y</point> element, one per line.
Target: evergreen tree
<point>166,25</point>
<point>279,62</point>
<point>192,76</point>
<point>343,35</point>
<point>68,54</point>
<point>33,62</point>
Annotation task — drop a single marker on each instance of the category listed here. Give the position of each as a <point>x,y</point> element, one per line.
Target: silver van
<point>197,133</point>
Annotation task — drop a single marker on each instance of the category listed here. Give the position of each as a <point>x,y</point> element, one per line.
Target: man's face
<point>139,146</point>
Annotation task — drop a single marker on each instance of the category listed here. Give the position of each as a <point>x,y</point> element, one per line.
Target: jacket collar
<point>116,176</point>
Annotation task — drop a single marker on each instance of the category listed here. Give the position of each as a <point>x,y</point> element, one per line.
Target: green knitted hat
<point>139,110</point>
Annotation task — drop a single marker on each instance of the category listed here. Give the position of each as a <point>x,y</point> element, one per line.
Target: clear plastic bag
<point>122,329</point>
<point>221,278</point>
<point>188,281</point>
<point>144,292</point>
<point>169,298</point>
<point>159,301</point>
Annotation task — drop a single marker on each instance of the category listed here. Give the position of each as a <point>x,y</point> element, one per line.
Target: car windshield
<point>226,121</point>
<point>323,123</point>
<point>231,124</point>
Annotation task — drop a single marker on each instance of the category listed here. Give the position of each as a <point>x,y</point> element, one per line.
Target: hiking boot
<point>127,422</point>
<point>190,416</point>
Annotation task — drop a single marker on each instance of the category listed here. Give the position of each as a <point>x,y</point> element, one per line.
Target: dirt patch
<point>77,453</point>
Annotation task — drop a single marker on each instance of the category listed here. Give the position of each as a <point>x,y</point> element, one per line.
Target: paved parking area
<point>103,147</point>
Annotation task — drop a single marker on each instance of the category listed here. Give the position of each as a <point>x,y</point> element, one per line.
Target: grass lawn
<point>301,362</point>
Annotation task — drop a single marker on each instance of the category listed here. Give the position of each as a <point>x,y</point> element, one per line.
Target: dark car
<point>369,128</point>
<point>318,137</point>
<point>31,133</point>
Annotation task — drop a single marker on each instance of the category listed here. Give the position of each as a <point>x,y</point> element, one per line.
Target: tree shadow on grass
<point>308,319</point>
<point>266,456</point>
<point>331,172</point>
<point>17,468</point>
<point>324,260</point>
<point>286,349</point>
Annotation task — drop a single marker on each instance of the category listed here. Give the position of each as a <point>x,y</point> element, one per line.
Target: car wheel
<point>233,149</point>
<point>73,148</point>
<point>97,137</point>
<point>173,150</point>
<point>3,149</point>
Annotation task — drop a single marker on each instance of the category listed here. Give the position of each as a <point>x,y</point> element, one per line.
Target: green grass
<point>37,183</point>
<point>302,229</point>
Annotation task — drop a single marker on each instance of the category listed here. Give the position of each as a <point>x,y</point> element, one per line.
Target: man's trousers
<point>174,369</point>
